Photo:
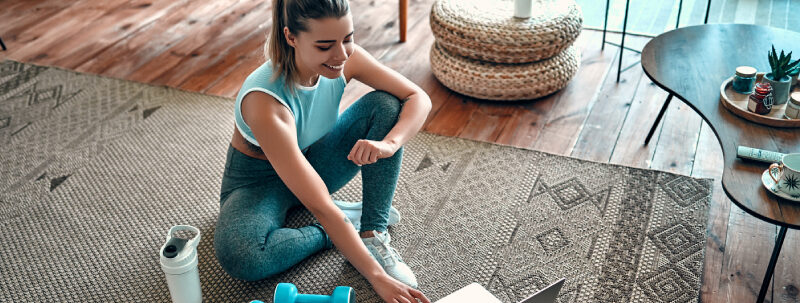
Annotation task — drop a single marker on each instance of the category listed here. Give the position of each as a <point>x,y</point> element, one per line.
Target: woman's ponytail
<point>278,50</point>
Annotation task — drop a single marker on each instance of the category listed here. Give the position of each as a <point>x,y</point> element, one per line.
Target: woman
<point>290,147</point>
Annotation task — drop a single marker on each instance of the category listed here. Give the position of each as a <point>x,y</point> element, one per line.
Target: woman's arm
<point>274,128</point>
<point>363,67</point>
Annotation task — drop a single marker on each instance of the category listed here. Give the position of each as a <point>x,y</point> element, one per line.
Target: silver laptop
<point>477,293</point>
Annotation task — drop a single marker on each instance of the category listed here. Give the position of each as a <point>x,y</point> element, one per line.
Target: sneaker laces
<point>387,252</point>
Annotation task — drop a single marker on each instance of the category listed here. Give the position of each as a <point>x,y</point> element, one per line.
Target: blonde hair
<point>294,15</point>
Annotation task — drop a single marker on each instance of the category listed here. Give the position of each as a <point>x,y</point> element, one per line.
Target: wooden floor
<point>211,46</point>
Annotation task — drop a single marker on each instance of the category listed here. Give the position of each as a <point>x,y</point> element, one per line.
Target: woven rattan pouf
<point>483,51</point>
<point>486,29</point>
<point>504,82</point>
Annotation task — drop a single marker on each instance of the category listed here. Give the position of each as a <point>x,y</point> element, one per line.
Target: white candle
<point>522,8</point>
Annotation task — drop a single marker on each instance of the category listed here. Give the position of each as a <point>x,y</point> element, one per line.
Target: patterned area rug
<point>95,171</point>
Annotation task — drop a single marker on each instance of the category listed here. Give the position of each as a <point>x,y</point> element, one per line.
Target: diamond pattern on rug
<point>552,240</point>
<point>667,286</point>
<point>88,167</point>
<point>677,241</point>
<point>684,191</point>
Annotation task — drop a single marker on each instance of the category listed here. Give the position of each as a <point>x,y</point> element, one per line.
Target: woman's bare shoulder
<point>259,108</point>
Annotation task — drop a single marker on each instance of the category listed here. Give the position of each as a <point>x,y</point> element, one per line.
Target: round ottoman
<point>486,30</point>
<point>483,51</point>
<point>504,82</point>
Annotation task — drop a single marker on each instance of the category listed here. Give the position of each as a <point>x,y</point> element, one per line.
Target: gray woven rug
<point>95,171</point>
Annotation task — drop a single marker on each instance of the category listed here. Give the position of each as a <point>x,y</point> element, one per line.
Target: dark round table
<point>691,63</point>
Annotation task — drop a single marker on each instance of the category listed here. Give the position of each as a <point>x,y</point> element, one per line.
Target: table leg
<point>622,43</point>
<point>708,8</point>
<point>658,119</point>
<point>403,19</point>
<point>771,267</point>
<point>605,25</point>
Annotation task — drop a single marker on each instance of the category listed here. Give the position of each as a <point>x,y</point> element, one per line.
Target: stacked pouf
<point>483,51</point>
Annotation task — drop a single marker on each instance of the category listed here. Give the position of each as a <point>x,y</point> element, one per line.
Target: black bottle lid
<point>173,247</point>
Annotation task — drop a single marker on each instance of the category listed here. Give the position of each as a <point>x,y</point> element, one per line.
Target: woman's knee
<point>385,104</point>
<point>242,258</point>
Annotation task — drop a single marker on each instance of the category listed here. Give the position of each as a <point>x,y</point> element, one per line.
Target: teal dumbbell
<point>287,293</point>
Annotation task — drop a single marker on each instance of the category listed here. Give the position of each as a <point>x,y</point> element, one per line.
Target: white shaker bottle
<point>179,263</point>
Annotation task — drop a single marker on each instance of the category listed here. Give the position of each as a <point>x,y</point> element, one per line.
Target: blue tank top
<point>315,109</point>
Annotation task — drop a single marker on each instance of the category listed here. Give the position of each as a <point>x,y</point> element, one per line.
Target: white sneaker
<point>389,259</point>
<point>353,212</point>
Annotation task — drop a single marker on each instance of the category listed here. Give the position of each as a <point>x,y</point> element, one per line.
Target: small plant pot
<point>780,89</point>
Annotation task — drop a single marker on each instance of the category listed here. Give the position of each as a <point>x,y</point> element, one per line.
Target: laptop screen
<point>546,295</point>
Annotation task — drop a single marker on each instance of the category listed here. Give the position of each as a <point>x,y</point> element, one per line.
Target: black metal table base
<point>771,267</point>
<point>658,119</point>
<point>624,29</point>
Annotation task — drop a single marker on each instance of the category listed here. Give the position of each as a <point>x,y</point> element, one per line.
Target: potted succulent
<point>779,77</point>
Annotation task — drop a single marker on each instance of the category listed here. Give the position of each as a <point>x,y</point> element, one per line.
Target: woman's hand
<point>393,291</point>
<point>368,151</point>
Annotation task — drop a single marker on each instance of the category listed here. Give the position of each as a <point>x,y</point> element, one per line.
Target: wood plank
<point>599,134</point>
<point>248,46</point>
<point>14,12</point>
<point>65,23</point>
<point>786,281</point>
<point>575,102</point>
<point>25,17</point>
<point>106,31</point>
<point>207,73</point>
<point>630,148</point>
<point>419,41</point>
<point>526,123</point>
<point>677,139</point>
<point>748,247</point>
<point>453,116</point>
<point>10,8</point>
<point>229,86</point>
<point>134,51</point>
<point>378,27</point>
<point>487,121</point>
<point>222,28</point>
<point>211,52</point>
<point>708,164</point>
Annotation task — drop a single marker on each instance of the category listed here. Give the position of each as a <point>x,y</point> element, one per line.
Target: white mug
<point>787,174</point>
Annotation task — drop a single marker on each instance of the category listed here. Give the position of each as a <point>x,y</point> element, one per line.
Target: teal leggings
<point>251,242</point>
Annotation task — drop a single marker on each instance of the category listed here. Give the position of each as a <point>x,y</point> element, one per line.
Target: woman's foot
<point>353,212</point>
<point>387,257</point>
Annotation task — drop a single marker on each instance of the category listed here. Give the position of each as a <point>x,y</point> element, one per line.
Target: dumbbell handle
<point>313,299</point>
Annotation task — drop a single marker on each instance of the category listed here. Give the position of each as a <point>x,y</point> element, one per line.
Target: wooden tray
<point>737,104</point>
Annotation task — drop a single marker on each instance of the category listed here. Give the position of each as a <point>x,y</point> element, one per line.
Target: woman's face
<point>324,48</point>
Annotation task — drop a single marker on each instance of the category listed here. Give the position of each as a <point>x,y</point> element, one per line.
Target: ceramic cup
<point>787,174</point>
